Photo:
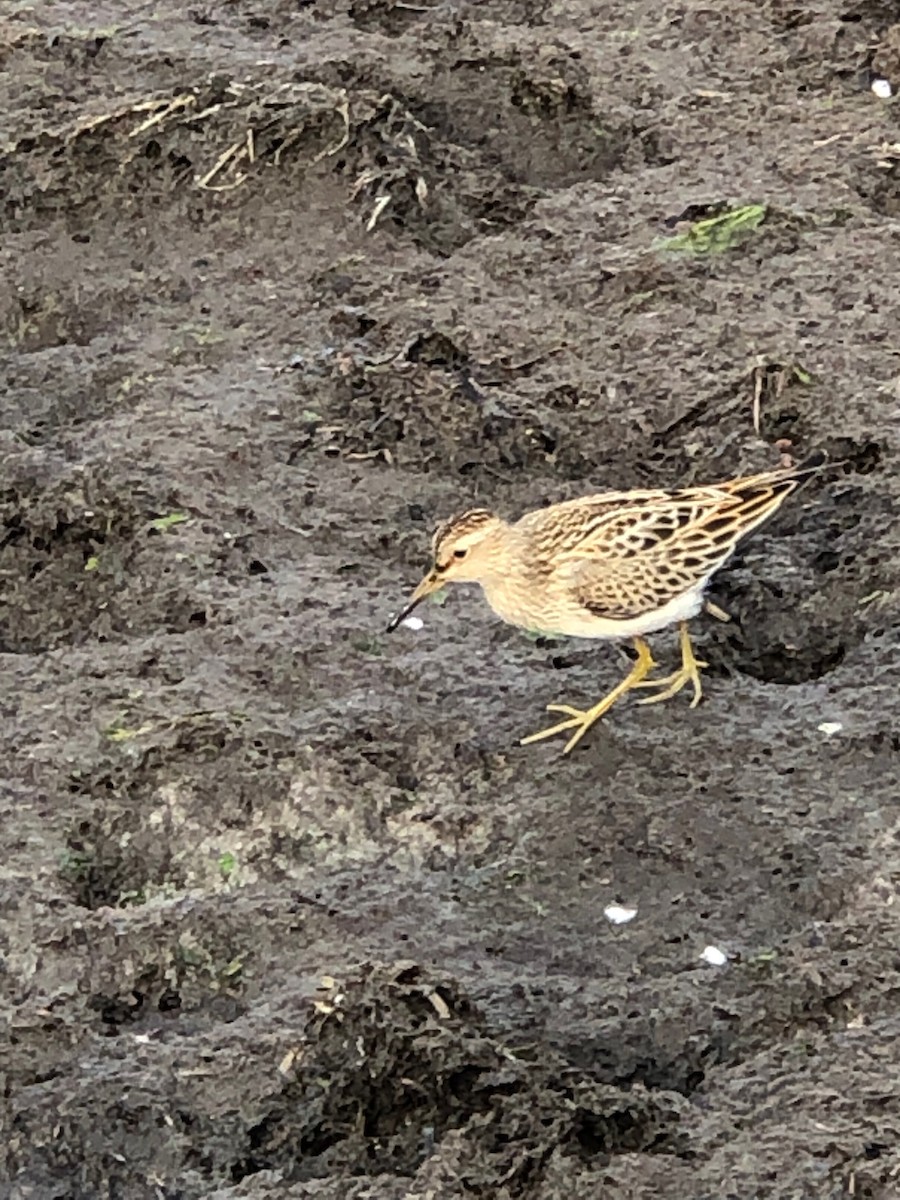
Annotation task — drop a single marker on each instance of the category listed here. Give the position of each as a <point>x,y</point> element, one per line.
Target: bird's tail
<point>760,496</point>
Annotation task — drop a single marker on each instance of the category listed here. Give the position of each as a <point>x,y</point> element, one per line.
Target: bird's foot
<point>672,684</point>
<point>689,672</point>
<point>581,719</point>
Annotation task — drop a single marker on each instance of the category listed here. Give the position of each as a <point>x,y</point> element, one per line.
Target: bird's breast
<point>539,610</point>
<point>518,603</point>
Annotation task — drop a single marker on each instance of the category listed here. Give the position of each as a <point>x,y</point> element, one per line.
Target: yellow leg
<point>582,719</point>
<point>689,673</point>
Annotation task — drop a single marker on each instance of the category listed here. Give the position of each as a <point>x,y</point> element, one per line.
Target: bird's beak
<point>430,584</point>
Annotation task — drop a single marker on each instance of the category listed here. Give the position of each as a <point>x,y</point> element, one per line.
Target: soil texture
<point>287,910</point>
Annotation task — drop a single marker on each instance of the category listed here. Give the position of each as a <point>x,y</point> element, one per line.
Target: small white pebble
<point>829,728</point>
<point>617,915</point>
<point>882,89</point>
<point>414,623</point>
<point>714,956</point>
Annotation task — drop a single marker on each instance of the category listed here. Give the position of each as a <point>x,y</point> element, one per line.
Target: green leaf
<point>161,524</point>
<point>121,735</point>
<point>713,235</point>
<point>124,733</point>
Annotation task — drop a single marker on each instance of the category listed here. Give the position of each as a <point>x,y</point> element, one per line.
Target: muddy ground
<point>287,911</point>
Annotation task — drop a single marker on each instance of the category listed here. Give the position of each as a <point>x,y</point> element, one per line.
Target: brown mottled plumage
<point>612,565</point>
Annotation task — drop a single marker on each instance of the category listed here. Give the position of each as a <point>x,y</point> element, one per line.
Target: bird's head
<point>464,549</point>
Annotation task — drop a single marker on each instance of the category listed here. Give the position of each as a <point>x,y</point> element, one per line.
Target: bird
<point>609,566</point>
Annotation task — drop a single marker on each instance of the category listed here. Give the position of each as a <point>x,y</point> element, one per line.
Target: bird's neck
<point>509,587</point>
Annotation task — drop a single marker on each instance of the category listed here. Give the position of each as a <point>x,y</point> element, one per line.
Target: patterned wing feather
<point>650,548</point>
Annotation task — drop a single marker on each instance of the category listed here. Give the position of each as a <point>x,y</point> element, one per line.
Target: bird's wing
<point>635,552</point>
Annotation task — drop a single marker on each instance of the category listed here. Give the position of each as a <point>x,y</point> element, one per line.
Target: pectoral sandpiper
<point>608,566</point>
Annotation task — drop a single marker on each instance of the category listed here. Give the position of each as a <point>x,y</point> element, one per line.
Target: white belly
<point>578,622</point>
<point>682,608</point>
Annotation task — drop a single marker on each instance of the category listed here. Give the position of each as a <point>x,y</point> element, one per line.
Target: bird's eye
<point>460,553</point>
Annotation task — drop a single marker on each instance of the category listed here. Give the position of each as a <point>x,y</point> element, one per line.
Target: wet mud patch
<point>60,389</point>
<point>141,824</point>
<point>92,555</point>
<point>834,559</point>
<point>878,180</point>
<point>532,112</point>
